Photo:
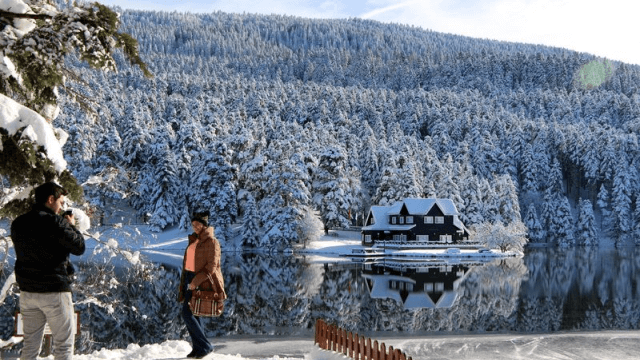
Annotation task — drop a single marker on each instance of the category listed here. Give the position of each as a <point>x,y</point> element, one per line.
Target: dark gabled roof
<point>414,206</point>
<point>422,206</point>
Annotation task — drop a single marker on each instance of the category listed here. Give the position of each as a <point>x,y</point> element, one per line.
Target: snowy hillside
<point>266,119</point>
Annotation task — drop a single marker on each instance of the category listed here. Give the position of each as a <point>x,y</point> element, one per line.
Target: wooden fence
<point>331,337</point>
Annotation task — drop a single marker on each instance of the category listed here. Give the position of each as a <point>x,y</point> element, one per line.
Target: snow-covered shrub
<point>505,238</point>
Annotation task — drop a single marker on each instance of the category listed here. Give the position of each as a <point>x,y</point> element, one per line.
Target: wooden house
<point>414,221</point>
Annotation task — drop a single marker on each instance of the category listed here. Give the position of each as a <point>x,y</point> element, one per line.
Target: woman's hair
<point>201,217</point>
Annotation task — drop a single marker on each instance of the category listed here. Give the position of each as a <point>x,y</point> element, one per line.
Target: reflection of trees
<point>491,294</point>
<point>580,289</point>
<point>265,296</point>
<point>339,298</point>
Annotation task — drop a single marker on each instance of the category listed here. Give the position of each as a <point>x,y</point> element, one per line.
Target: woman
<point>201,257</point>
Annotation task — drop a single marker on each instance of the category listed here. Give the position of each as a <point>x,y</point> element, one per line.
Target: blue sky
<point>605,28</point>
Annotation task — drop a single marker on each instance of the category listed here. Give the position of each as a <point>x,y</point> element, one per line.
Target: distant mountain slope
<point>263,118</point>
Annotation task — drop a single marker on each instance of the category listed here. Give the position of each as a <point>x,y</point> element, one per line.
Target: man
<point>43,241</point>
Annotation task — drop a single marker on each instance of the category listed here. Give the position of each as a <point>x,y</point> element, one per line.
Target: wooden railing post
<point>350,343</point>
<point>333,338</point>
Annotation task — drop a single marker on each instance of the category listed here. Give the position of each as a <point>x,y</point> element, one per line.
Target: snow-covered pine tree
<point>165,188</point>
<point>563,222</point>
<point>32,55</point>
<point>554,180</point>
<point>604,204</point>
<point>535,230</point>
<point>509,206</point>
<point>250,223</point>
<point>621,201</point>
<point>586,227</point>
<point>472,203</point>
<point>287,197</point>
<point>213,187</point>
<point>529,171</point>
<point>549,204</point>
<point>331,190</point>
<point>446,178</point>
<point>636,221</point>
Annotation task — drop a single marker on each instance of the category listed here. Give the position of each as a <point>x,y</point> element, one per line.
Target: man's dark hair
<point>47,189</point>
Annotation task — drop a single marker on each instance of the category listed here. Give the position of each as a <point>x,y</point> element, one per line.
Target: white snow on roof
<point>380,219</point>
<point>422,206</point>
<point>14,116</point>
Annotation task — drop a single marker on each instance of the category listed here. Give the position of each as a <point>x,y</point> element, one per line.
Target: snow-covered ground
<point>619,345</point>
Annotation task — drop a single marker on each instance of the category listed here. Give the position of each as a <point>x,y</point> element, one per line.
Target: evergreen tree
<point>622,190</point>
<point>563,223</point>
<point>604,206</point>
<point>586,229</point>
<point>251,223</point>
<point>529,171</point>
<point>535,230</point>
<point>286,195</point>
<point>331,190</point>
<point>164,188</point>
<point>213,187</point>
<point>509,206</point>
<point>32,55</point>
<point>636,229</point>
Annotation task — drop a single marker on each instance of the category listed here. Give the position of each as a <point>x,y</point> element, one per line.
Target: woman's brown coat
<point>207,261</point>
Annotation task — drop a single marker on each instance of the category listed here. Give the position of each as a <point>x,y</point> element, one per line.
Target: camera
<point>67,213</point>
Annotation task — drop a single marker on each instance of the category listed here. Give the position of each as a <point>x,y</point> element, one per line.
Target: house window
<point>400,237</point>
<point>401,219</point>
<point>367,238</point>
<point>393,219</point>
<point>428,219</point>
<point>428,287</point>
<point>424,238</point>
<point>439,287</point>
<point>409,219</point>
<point>409,287</point>
<point>439,219</point>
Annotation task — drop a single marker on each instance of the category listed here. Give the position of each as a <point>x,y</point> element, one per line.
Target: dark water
<point>548,290</point>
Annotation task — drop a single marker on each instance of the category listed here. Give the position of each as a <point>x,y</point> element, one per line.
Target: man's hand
<point>69,216</point>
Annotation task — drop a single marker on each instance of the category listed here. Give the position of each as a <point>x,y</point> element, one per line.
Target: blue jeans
<point>199,340</point>
<point>56,309</point>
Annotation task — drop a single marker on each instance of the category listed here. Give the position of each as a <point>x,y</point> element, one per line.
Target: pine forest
<point>269,120</point>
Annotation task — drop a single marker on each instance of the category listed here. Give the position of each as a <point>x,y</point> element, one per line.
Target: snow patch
<point>14,117</point>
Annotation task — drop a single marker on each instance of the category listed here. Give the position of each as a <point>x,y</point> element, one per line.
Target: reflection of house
<point>424,287</point>
<point>421,221</point>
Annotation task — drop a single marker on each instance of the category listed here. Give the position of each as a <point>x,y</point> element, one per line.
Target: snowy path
<point>618,345</point>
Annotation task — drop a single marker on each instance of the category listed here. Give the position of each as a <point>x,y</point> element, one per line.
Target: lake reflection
<point>548,290</point>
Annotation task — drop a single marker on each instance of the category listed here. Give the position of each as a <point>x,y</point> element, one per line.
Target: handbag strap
<point>211,279</point>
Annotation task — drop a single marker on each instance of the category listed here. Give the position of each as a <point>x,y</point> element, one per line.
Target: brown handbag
<point>208,303</point>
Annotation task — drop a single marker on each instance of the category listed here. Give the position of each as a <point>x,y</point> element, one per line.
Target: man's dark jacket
<point>43,242</point>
